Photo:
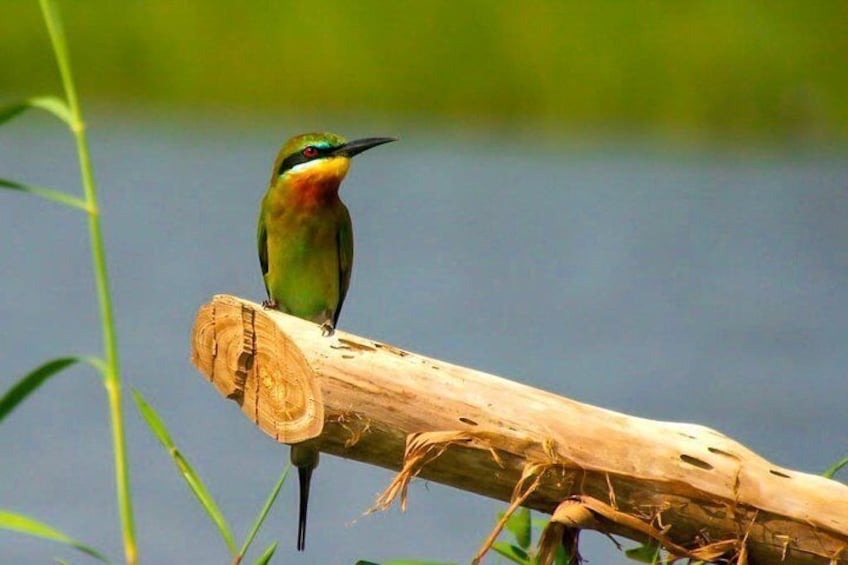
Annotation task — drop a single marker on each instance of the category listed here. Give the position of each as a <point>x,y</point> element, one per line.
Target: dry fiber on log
<point>699,493</point>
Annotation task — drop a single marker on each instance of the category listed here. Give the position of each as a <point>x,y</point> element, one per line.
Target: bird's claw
<point>269,304</point>
<point>327,329</point>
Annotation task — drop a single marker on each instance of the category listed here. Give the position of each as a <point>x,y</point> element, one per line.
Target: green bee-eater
<point>306,247</point>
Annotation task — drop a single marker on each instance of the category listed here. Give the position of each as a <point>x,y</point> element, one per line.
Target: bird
<point>305,242</point>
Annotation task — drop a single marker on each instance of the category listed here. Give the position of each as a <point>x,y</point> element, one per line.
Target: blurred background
<point>641,206</point>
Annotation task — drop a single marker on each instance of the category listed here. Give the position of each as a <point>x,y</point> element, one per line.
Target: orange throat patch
<point>318,181</point>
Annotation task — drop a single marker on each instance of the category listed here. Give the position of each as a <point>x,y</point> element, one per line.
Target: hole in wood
<point>391,349</point>
<point>718,451</point>
<point>779,474</point>
<point>354,345</point>
<point>468,421</point>
<point>696,462</point>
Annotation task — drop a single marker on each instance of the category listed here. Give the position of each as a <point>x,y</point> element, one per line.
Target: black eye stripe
<point>298,157</point>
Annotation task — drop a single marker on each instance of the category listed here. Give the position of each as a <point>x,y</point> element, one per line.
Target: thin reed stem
<point>111,373</point>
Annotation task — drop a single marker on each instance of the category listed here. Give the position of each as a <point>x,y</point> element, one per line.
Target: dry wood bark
<point>698,492</point>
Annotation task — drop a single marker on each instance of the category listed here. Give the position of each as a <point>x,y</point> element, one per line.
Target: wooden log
<point>697,491</point>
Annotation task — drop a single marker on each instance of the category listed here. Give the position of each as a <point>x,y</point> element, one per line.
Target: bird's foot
<point>270,304</point>
<point>327,328</point>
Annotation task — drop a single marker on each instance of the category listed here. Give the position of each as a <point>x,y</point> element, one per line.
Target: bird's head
<point>319,161</point>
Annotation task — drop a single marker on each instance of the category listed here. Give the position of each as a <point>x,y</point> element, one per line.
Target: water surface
<point>698,287</point>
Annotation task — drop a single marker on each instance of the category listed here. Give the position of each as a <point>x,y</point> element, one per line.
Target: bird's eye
<point>310,151</point>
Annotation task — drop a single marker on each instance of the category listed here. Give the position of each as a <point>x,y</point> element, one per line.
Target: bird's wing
<point>262,243</point>
<point>344,244</point>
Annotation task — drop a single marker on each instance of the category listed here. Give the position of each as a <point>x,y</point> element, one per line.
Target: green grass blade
<point>520,527</point>
<point>95,362</point>
<point>647,553</point>
<point>562,557</point>
<point>25,525</point>
<point>10,111</point>
<point>197,487</point>
<point>836,467</point>
<point>30,383</point>
<point>266,556</point>
<point>268,503</point>
<point>153,421</point>
<point>512,552</point>
<point>55,106</point>
<point>54,195</point>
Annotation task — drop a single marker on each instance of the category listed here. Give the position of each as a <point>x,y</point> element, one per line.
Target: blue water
<point>707,287</point>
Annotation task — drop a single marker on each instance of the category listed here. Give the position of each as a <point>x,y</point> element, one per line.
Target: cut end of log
<point>240,349</point>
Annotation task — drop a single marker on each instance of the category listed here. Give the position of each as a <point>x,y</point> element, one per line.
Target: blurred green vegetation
<point>706,69</point>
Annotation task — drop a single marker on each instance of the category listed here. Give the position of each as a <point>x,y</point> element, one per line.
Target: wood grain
<point>369,401</point>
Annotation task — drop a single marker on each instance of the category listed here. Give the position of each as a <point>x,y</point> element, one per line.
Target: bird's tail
<point>304,475</point>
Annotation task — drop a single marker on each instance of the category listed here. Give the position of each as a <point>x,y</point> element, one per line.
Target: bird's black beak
<point>357,146</point>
